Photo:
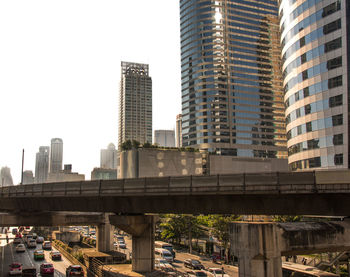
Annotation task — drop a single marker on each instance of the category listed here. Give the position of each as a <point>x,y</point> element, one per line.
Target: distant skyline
<point>60,73</point>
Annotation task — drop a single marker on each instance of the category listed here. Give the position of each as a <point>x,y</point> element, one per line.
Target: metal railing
<point>262,183</point>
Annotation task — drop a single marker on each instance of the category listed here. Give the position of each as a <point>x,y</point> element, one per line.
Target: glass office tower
<point>315,68</point>
<point>232,87</point>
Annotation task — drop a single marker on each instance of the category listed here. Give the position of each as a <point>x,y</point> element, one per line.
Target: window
<point>338,139</point>
<point>303,58</point>
<point>332,45</point>
<point>330,27</point>
<point>334,63</point>
<point>336,101</point>
<point>302,42</point>
<point>308,127</point>
<point>338,159</point>
<point>337,120</point>
<point>335,82</point>
<point>331,8</point>
<point>314,162</point>
<point>305,75</point>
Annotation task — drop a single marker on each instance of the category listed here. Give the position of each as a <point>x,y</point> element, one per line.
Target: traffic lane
<point>207,262</point>
<point>27,259</point>
<point>59,265</point>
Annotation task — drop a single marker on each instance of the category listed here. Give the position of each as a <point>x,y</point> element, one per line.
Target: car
<point>15,269</point>
<point>194,264</point>
<point>29,271</point>
<point>163,265</point>
<point>17,240</point>
<point>74,270</point>
<point>20,248</point>
<point>217,272</point>
<point>121,244</point>
<point>55,255</point>
<point>31,243</point>
<point>14,231</point>
<point>18,235</point>
<point>35,235</point>
<point>47,269</point>
<point>196,273</point>
<point>39,255</point>
<point>47,245</point>
<point>39,240</point>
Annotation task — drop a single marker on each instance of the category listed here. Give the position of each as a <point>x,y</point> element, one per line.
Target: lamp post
<point>22,166</point>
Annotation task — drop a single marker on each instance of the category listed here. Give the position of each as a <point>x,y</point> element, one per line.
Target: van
<point>164,254</point>
<point>165,245</point>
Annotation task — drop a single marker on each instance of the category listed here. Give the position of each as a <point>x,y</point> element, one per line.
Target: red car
<point>15,269</point>
<point>74,270</point>
<point>47,268</point>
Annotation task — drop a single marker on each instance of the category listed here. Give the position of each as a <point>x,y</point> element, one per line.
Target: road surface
<point>8,255</point>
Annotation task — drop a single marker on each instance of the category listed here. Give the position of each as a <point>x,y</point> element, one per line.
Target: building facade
<point>42,164</point>
<point>232,93</point>
<point>164,138</point>
<point>314,39</point>
<point>108,157</point>
<point>178,130</point>
<point>135,103</point>
<point>28,177</point>
<point>56,155</point>
<point>104,174</point>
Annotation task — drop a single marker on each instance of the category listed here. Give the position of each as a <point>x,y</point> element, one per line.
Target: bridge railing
<point>261,183</point>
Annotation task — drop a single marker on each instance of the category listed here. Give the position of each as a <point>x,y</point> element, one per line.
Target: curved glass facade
<point>315,70</point>
<point>232,84</point>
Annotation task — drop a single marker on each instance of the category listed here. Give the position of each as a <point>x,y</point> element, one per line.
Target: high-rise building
<point>232,93</point>
<point>164,138</point>
<point>178,130</point>
<point>315,43</point>
<point>6,177</point>
<point>56,155</point>
<point>28,177</point>
<point>108,158</point>
<point>42,164</point>
<point>135,103</point>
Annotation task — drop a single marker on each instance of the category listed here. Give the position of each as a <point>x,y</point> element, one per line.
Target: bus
<point>165,245</point>
<point>298,270</point>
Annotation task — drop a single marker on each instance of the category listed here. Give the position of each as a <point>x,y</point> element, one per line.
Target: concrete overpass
<point>313,193</point>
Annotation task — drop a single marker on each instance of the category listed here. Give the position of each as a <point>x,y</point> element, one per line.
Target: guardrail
<point>259,183</point>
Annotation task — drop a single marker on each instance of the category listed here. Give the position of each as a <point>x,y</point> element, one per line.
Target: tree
<point>135,144</point>
<point>147,145</point>
<point>126,145</point>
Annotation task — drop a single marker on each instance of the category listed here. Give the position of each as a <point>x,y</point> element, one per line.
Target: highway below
<point>9,255</point>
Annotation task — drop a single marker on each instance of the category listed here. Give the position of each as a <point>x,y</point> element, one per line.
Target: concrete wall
<point>230,165</point>
<point>66,236</point>
<point>157,163</point>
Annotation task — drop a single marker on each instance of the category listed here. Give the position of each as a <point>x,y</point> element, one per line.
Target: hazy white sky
<point>60,72</point>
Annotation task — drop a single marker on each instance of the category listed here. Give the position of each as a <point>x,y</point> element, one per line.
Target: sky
<point>60,72</point>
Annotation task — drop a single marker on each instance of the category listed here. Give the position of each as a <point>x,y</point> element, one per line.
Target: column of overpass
<point>104,235</point>
<point>257,249</point>
<point>141,228</point>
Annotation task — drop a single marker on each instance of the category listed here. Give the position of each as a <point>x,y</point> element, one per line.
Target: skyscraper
<point>135,103</point>
<point>315,43</point>
<point>108,158</point>
<point>178,130</point>
<point>42,164</point>
<point>56,155</point>
<point>164,138</point>
<point>232,93</point>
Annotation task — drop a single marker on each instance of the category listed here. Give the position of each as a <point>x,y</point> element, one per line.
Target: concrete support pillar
<point>143,247</point>
<point>104,236</point>
<point>257,249</point>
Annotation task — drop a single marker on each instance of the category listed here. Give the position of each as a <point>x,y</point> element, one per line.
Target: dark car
<point>194,264</point>
<point>74,270</point>
<point>29,271</point>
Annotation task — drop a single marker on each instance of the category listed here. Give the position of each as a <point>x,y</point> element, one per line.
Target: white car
<point>15,269</point>
<point>163,265</point>
<point>20,248</point>
<point>217,272</point>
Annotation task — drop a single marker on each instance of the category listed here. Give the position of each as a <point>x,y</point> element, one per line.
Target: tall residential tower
<point>232,93</point>
<point>56,155</point>
<point>315,43</point>
<point>135,103</point>
<point>42,164</point>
